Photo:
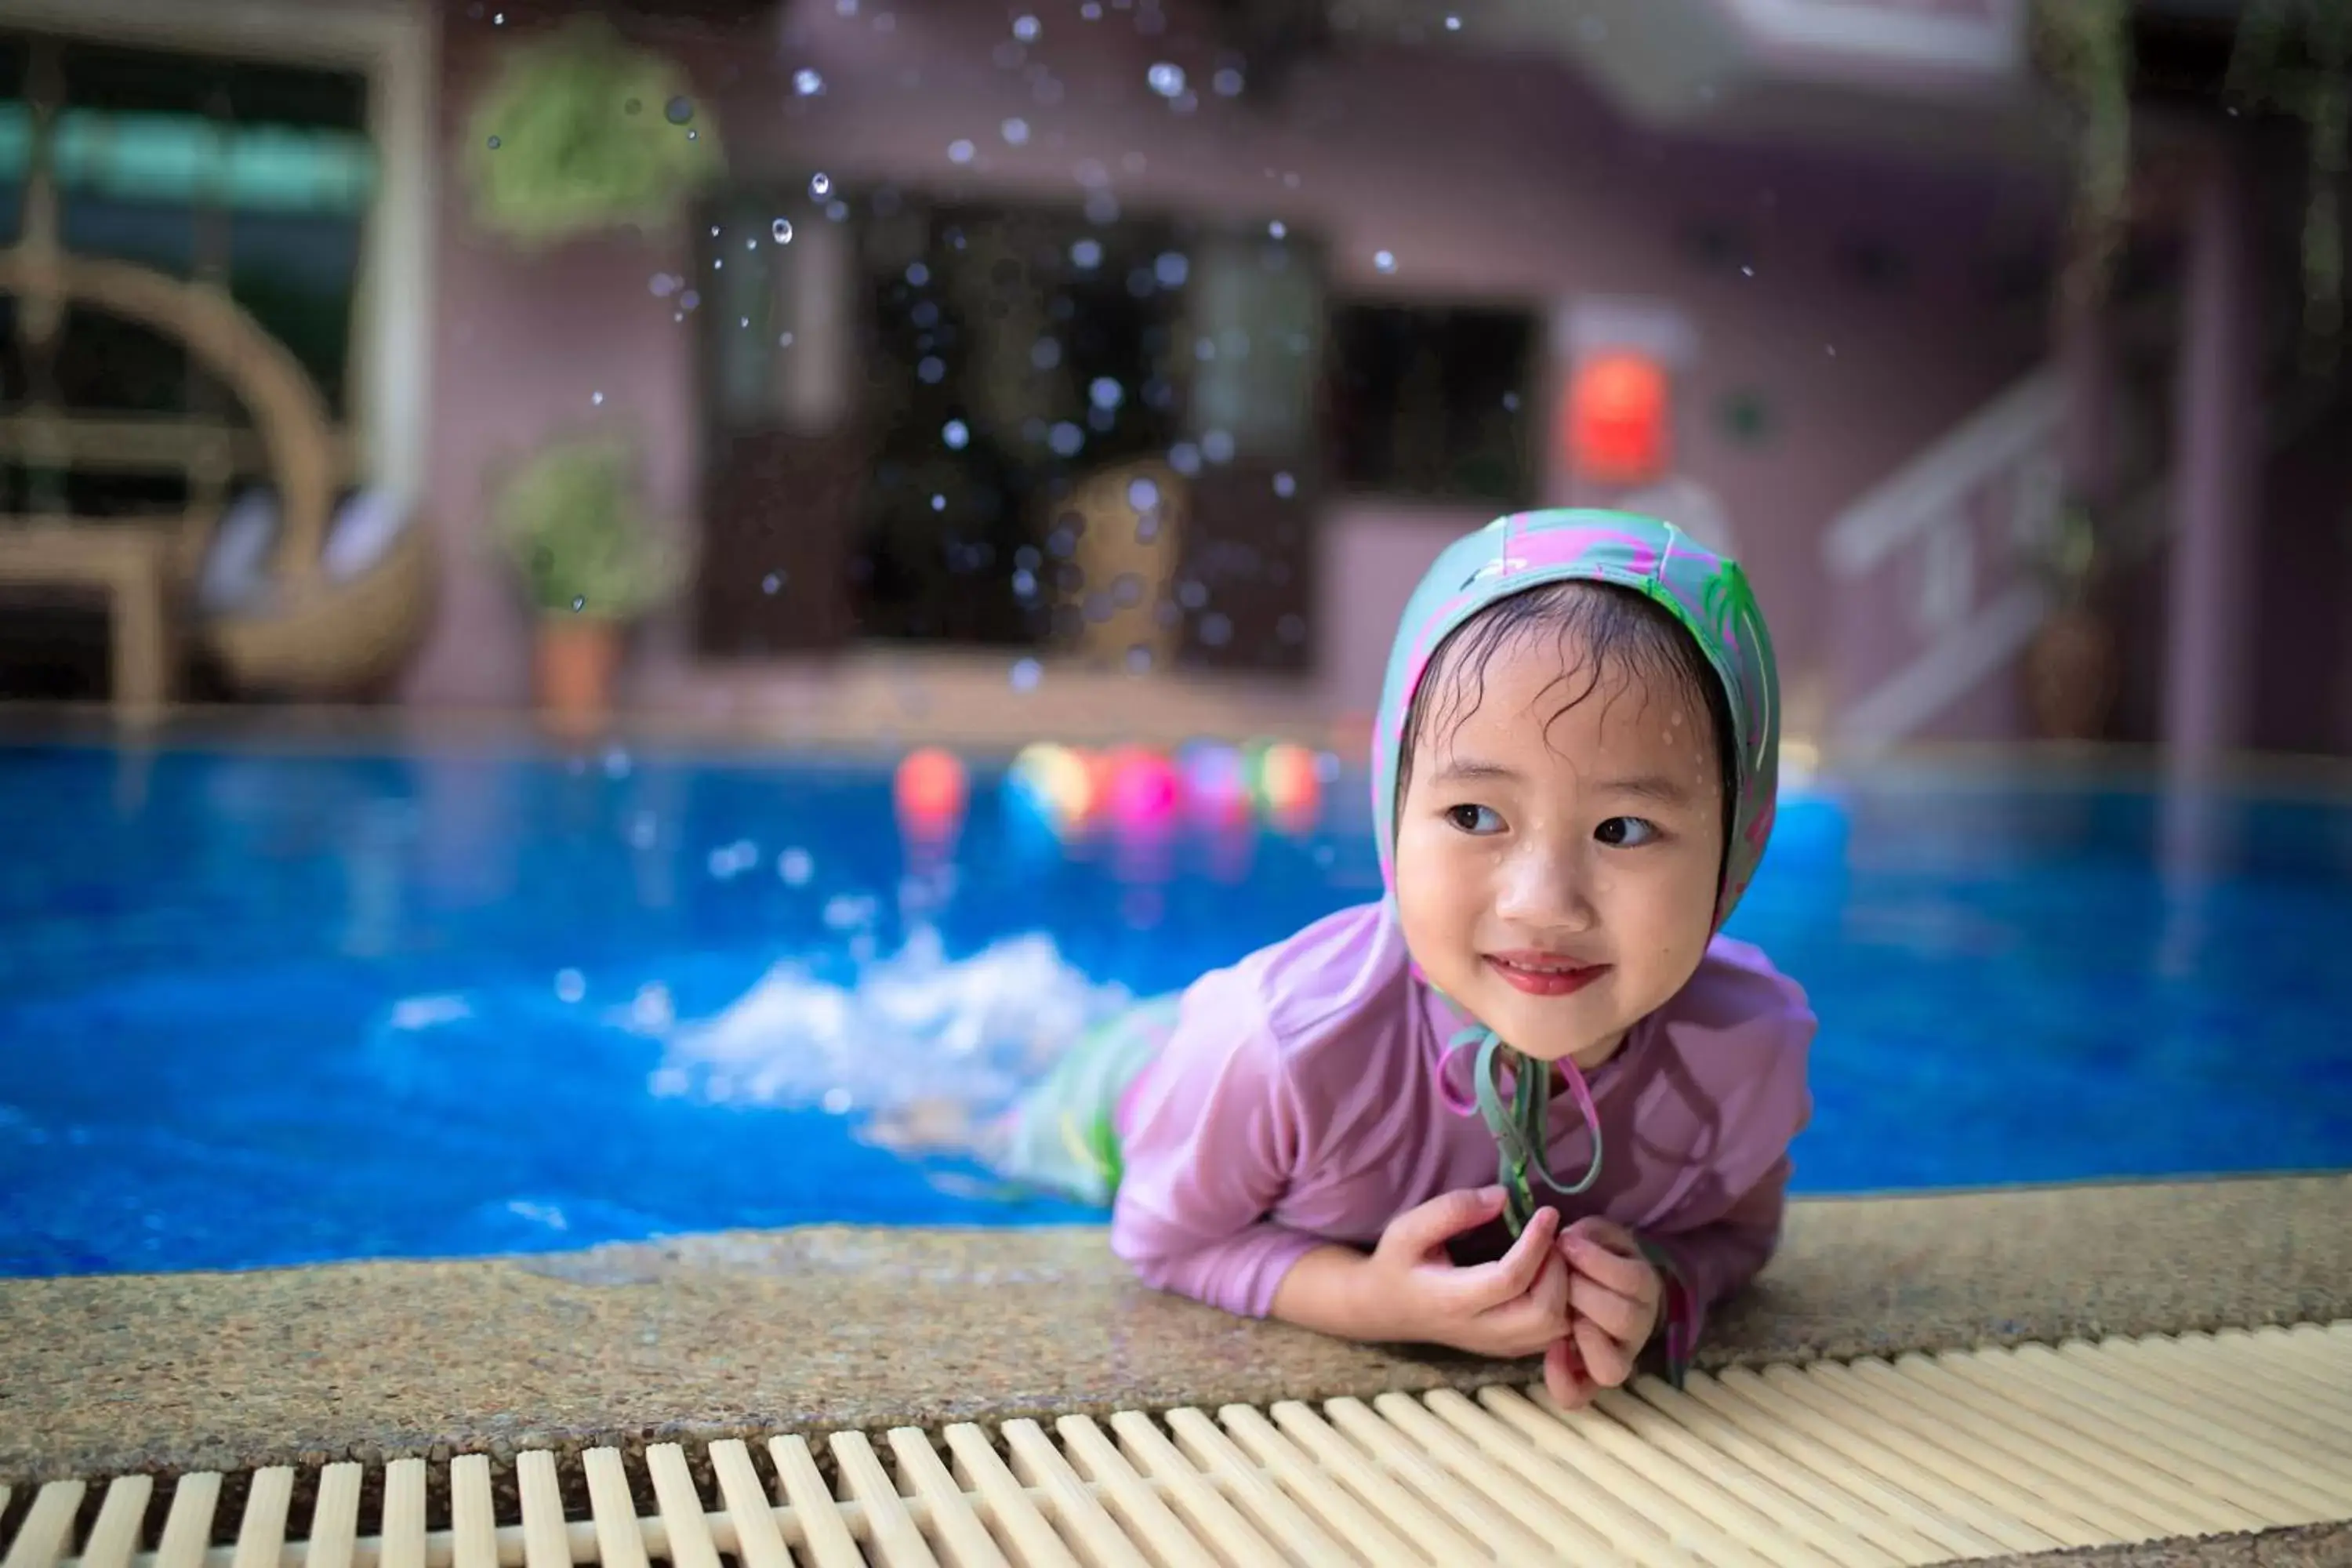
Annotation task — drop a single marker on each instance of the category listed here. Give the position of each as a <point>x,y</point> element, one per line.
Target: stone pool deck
<point>827,1328</point>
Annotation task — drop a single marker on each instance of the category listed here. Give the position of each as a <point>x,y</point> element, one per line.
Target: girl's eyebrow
<point>1648,786</point>
<point>1460,769</point>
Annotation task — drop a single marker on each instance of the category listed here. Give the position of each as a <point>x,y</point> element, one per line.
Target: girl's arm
<point>1709,1263</point>
<point>1211,1136</point>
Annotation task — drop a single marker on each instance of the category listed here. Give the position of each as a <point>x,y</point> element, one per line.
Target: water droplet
<point>1285,486</point>
<point>1066,439</point>
<point>1166,79</point>
<point>570,986</point>
<point>679,109</point>
<point>1016,132</point>
<point>807,83</point>
<point>1746,270</point>
<point>795,867</point>
<point>1106,391</point>
<point>1217,446</point>
<point>955,434</point>
<point>1185,458</point>
<point>939,503</point>
<point>578,604</point>
<point>771,584</point>
<point>1091,10</point>
<point>838,1101</point>
<point>1452,23</point>
<point>782,229</point>
<point>597,398</point>
<point>1510,403</point>
<point>1086,254</point>
<point>1142,495</point>
<point>836,210</point>
<point>1024,674</point>
<point>1278,228</point>
<point>494,143</point>
<point>1227,83</point>
<point>932,370</point>
<point>1046,353</point>
<point>1384,260</point>
<point>783,340</point>
<point>820,186</point>
<point>1025,28</point>
<point>1171,268</point>
<point>694,135</point>
<point>918,274</point>
<point>752,244</point>
<point>960,151</point>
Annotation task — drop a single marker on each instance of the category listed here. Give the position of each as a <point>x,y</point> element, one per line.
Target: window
<point>1432,401</point>
<point>254,177</point>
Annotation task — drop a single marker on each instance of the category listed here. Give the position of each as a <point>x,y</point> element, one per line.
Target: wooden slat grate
<point>1922,1459</point>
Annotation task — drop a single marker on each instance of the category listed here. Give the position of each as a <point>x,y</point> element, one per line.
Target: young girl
<point>1573,776</point>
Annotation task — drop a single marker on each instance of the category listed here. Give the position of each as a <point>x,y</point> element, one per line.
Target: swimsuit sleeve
<point>1210,1134</point>
<point>1717,1235</point>
<point>1713,1262</point>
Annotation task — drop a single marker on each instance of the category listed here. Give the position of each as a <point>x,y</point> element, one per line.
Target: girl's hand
<point>1613,1296</point>
<point>1512,1307</point>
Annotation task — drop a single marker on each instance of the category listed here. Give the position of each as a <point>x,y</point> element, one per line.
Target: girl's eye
<point>1625,832</point>
<point>1472,818</point>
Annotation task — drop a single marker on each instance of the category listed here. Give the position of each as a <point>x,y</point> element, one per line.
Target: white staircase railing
<point>1946,538</point>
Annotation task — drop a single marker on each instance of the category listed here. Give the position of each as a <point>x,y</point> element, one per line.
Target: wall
<point>1486,179</point>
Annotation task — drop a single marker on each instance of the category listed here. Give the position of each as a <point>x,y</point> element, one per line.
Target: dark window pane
<point>1433,402</point>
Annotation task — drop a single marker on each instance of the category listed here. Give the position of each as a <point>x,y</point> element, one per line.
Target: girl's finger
<point>1627,1321</point>
<point>1605,1361</point>
<point>1564,1377</point>
<point>1488,1285</point>
<point>1627,1275</point>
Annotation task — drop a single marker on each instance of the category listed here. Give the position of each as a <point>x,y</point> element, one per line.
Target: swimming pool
<point>269,1006</point>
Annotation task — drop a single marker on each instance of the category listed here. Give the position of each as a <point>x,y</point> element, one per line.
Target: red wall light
<point>1617,418</point>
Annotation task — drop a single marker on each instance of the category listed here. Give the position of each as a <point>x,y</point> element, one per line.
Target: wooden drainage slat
<point>1860,1465</point>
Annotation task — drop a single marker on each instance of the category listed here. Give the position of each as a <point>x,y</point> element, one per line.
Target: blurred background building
<point>1122,363</point>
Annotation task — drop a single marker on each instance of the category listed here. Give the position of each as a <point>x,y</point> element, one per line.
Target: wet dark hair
<point>1617,628</point>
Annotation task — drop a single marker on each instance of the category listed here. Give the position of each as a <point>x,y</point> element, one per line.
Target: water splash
<point>919,1048</point>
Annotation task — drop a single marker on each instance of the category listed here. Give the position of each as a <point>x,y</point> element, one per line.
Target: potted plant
<point>572,524</point>
<point>2070,665</point>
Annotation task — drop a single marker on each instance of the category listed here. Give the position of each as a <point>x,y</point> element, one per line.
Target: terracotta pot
<point>576,660</point>
<point>2070,676</point>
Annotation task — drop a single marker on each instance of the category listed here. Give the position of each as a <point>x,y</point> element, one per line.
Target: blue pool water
<point>263,1007</point>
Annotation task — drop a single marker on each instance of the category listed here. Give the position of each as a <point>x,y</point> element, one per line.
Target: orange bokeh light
<point>1617,419</point>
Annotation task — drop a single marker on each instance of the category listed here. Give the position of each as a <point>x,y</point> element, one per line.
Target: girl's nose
<point>1547,888</point>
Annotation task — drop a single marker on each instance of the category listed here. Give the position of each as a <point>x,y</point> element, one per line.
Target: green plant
<point>2296,55</point>
<point>2067,558</point>
<point>582,131</point>
<point>2084,47</point>
<point>570,522</point>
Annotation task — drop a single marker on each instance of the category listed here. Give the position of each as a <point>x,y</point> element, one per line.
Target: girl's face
<point>1556,870</point>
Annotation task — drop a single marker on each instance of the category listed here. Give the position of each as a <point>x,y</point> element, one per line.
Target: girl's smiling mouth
<point>1543,974</point>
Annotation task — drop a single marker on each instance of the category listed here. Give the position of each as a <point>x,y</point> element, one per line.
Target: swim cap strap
<point>1520,1126</point>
